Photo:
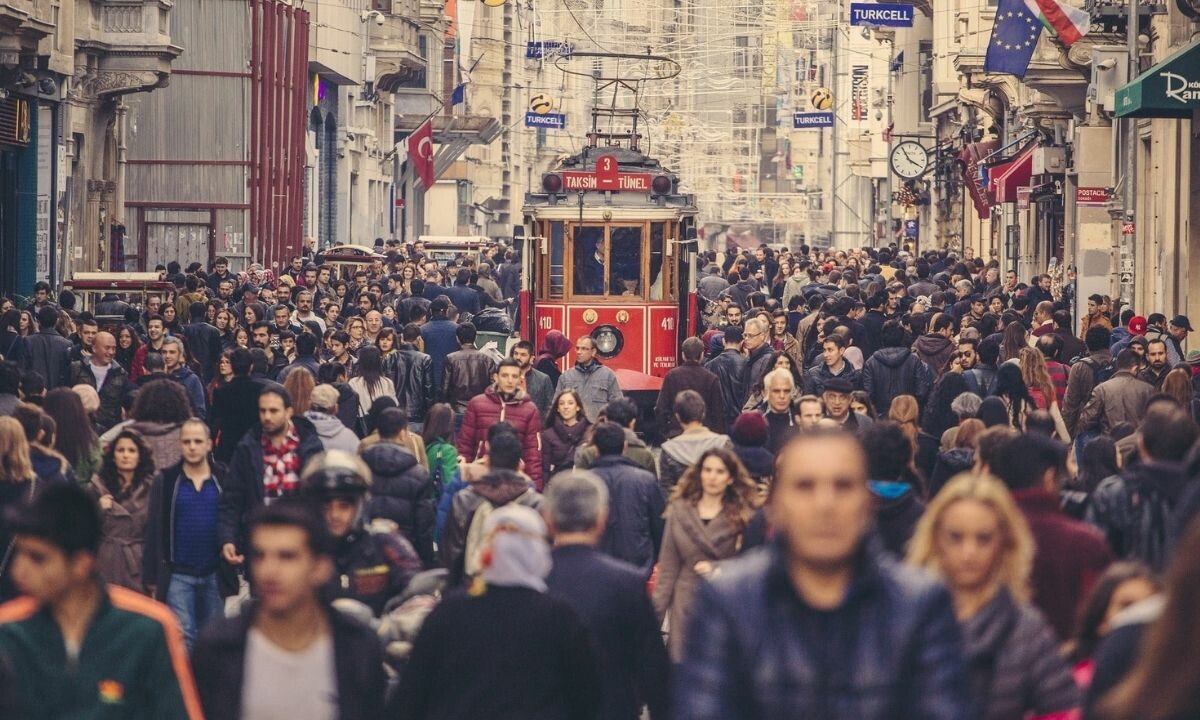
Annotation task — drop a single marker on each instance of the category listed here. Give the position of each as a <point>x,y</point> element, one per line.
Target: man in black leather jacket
<point>414,378</point>
<point>820,623</point>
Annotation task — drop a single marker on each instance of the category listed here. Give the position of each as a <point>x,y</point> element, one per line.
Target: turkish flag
<point>420,152</point>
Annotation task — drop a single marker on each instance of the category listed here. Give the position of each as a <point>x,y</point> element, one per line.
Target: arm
<point>653,666</point>
<point>1052,688</point>
<point>533,452</point>
<point>657,523</point>
<point>466,441</point>
<point>232,501</point>
<point>1076,395</point>
<point>668,572</point>
<point>196,393</point>
<point>937,679</point>
<point>426,384</point>
<point>423,525</point>
<point>662,407</point>
<point>167,678</point>
<point>1060,426</point>
<point>709,684</point>
<point>1089,417</point>
<point>150,552</point>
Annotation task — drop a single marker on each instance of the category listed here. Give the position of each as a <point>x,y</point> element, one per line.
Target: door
<point>182,235</point>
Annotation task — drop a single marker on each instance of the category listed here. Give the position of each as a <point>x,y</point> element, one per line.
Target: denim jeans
<point>195,601</point>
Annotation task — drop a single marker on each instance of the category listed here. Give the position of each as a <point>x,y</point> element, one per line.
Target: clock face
<point>909,159</point>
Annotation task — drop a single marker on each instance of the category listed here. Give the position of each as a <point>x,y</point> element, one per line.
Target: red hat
<point>750,428</point>
<point>1137,325</point>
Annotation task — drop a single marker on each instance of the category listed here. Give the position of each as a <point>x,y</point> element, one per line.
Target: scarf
<point>517,553</point>
<point>281,465</point>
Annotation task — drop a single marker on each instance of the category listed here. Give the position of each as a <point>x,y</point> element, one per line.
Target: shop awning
<point>1170,89</point>
<point>1004,178</point>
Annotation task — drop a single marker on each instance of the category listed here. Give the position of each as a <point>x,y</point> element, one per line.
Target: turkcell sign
<point>535,50</point>
<point>881,14</point>
<point>810,120</point>
<point>554,121</point>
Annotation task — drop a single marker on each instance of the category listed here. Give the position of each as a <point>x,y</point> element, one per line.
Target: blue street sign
<point>811,120</point>
<point>547,48</point>
<point>553,121</point>
<point>881,14</point>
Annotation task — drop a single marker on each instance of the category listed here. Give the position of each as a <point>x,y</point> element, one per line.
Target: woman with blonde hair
<point>300,384</point>
<point>1041,388</point>
<point>1178,384</point>
<point>18,482</point>
<point>706,517</point>
<point>975,538</point>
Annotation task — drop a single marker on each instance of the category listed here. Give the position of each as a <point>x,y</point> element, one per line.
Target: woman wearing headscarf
<point>506,648</point>
<point>554,347</point>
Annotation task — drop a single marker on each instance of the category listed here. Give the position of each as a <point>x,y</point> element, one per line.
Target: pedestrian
<point>322,413</point>
<point>707,514</point>
<point>730,368</point>
<point>555,346</point>
<point>779,386</point>
<point>596,384</point>
<point>440,453</point>
<point>158,412</point>
<point>127,649</point>
<point>466,372</point>
<point>895,370</point>
<point>401,489</point>
<point>121,488</point>
<point>235,406</point>
<point>181,563</point>
<point>288,653</point>
<point>833,365</point>
<point>973,536</point>
<point>894,483</point>
<point>935,347</point>
<point>758,357</point>
<point>75,439</point>
<point>1122,585</point>
<point>1036,376</point>
<point>18,484</point>
<point>609,596</point>
<point>503,401</point>
<point>635,511</point>
<point>413,378</point>
<point>1121,398</point>
<point>369,383</point>
<point>682,451</point>
<point>565,432</point>
<point>46,351</point>
<point>511,648</point>
<point>782,624</point>
<point>100,372</point>
<point>623,412</point>
<point>439,337</point>
<point>534,382</point>
<point>266,466</point>
<point>1085,375</point>
<point>749,439</point>
<point>690,375</point>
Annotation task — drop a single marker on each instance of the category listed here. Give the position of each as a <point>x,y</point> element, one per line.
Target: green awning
<point>1170,89</point>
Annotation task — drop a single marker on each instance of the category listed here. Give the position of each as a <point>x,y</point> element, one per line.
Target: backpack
<point>475,538</point>
<point>1100,373</point>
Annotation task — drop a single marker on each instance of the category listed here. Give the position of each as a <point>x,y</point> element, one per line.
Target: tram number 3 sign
<point>607,177</point>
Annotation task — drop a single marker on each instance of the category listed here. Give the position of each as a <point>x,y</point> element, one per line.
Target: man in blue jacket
<point>820,624</point>
<point>439,336</point>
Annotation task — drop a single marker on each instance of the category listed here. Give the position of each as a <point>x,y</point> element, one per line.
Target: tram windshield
<point>608,261</point>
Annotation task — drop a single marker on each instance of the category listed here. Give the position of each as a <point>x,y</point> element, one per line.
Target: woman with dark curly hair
<point>158,412</point>
<point>121,487</point>
<point>128,343</point>
<point>706,517</point>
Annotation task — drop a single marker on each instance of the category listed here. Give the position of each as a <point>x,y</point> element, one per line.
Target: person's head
<point>15,463</point>
<point>466,334</point>
<point>973,536</point>
<point>754,334</point>
<point>508,376</point>
<point>889,451</point>
<point>778,386</point>
<point>609,439</point>
<point>809,411</point>
<point>819,502</point>
<point>732,338</point>
<point>1167,433</point>
<point>833,348</point>
<point>1029,461</point>
<point>837,398</point>
<point>893,335</point>
<point>76,439</point>
<point>161,401</point>
<point>523,353</point>
<point>1179,327</point>
<point>172,354</point>
<point>274,410</point>
<point>290,556</point>
<point>585,350</point>
<point>194,442</point>
<point>718,473</point>
<point>689,408</point>
<point>623,411</point>
<point>750,430</point>
<point>125,463</point>
<point>47,317</point>
<point>576,503</point>
<point>692,350</point>
<point>1095,304</point>
<point>1097,338</point>
<point>504,447</point>
<point>567,407</point>
<point>1156,354</point>
<point>439,424</point>
<point>56,535</point>
<point>1121,585</point>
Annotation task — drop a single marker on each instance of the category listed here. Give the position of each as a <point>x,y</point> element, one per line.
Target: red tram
<point>611,255</point>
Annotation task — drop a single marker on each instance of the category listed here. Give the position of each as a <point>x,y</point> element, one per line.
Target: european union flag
<point>1014,36</point>
<point>459,95</point>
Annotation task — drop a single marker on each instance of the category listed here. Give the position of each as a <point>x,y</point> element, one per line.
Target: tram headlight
<point>661,185</point>
<point>552,183</point>
<point>609,340</point>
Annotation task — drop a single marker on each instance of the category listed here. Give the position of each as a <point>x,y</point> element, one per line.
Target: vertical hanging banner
<point>859,80</point>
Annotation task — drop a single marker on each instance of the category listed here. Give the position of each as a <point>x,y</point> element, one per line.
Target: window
<point>556,260</point>
<point>625,255</point>
<point>608,261</point>
<point>591,259</point>
<point>657,246</point>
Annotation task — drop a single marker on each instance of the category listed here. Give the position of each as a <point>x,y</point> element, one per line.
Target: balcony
<point>129,46</point>
<point>23,23</point>
<point>398,62</point>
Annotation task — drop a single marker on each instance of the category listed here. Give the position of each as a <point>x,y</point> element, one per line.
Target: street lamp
<point>368,91</point>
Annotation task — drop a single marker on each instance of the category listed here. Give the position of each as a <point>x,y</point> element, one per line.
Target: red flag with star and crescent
<point>420,152</point>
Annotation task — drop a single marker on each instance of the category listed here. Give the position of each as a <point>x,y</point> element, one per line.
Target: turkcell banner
<point>554,121</point>
<point>809,120</point>
<point>881,14</point>
<point>548,49</point>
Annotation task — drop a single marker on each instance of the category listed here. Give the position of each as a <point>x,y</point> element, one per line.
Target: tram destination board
<point>630,182</point>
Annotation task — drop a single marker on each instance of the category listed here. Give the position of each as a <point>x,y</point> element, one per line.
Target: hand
<point>703,568</point>
<point>230,553</point>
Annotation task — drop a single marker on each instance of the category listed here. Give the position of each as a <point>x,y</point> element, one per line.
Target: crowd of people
<point>878,484</point>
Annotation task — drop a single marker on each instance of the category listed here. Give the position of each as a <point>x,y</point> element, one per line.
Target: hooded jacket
<point>333,433</point>
<point>489,408</point>
<point>635,449</point>
<point>163,440</point>
<point>684,450</point>
<point>897,513</point>
<point>934,350</point>
<point>194,387</point>
<point>511,488</point>
<point>596,384</point>
<point>401,492</point>
<point>554,346</point>
<point>740,293</point>
<point>895,371</point>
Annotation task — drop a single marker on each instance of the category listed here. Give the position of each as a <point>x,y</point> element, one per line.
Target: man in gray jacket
<point>596,384</point>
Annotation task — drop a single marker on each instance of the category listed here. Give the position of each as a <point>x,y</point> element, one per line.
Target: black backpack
<point>1100,373</point>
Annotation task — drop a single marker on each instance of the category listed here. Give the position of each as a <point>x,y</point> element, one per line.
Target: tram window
<point>556,260</point>
<point>657,232</point>
<point>625,275</point>
<point>591,259</point>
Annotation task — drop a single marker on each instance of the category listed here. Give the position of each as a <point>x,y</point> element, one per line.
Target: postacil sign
<point>881,14</point>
